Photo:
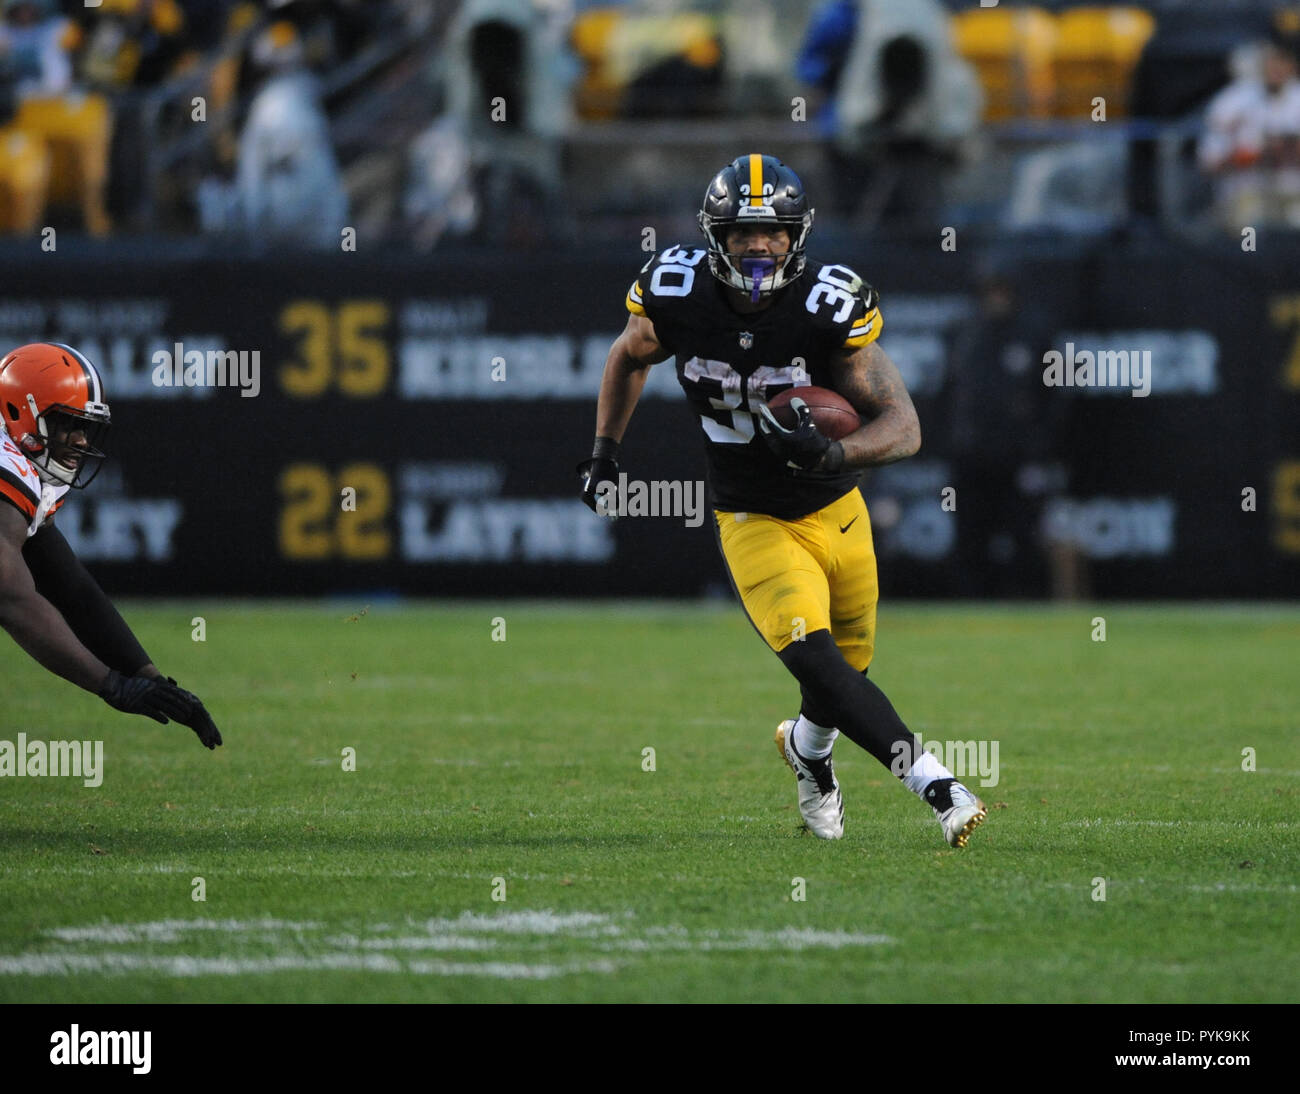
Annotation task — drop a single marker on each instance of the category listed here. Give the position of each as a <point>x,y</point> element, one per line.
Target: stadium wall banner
<point>411,426</point>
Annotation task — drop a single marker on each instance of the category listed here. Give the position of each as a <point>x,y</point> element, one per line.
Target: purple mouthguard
<point>757,269</point>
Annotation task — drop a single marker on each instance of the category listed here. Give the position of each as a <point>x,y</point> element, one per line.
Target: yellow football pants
<point>800,576</point>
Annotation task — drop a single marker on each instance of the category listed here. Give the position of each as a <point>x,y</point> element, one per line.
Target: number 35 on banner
<point>345,345</point>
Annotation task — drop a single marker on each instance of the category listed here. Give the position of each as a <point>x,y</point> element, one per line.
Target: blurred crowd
<point>495,120</point>
<point>89,92</point>
<point>1251,142</point>
<point>1059,116</point>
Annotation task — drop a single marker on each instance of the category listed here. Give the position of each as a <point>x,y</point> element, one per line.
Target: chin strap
<point>39,455</point>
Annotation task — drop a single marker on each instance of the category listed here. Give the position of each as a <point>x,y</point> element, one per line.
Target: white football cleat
<point>819,791</point>
<point>966,814</point>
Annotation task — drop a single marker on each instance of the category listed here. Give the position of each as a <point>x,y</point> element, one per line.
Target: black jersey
<point>730,363</point>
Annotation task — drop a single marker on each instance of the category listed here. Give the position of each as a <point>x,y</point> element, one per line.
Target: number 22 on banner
<point>335,516</point>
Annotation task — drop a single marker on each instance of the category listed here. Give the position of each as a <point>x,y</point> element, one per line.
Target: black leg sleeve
<point>66,583</point>
<point>846,699</point>
<point>813,708</point>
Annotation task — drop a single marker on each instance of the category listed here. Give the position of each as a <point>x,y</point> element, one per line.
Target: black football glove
<point>157,698</point>
<point>198,718</point>
<point>601,467</point>
<point>805,447</point>
<point>160,700</point>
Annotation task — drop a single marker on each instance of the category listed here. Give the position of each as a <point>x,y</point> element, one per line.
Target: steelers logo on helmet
<point>52,403</point>
<point>755,189</point>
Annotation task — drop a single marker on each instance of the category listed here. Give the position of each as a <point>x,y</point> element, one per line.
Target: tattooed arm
<point>869,380</point>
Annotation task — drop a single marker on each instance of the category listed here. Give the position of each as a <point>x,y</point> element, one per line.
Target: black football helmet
<point>763,190</point>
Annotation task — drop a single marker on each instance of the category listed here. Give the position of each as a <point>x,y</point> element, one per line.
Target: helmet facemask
<point>65,449</point>
<point>757,275</point>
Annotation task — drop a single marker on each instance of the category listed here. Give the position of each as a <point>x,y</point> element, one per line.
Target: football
<point>832,413</point>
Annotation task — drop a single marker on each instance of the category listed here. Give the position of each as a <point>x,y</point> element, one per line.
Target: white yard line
<point>171,930</point>
<point>511,937</point>
<point>188,966</point>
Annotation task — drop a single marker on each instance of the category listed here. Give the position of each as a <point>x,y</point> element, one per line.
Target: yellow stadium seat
<point>77,130</point>
<point>1012,52</point>
<point>598,94</point>
<point>1096,52</point>
<point>24,176</point>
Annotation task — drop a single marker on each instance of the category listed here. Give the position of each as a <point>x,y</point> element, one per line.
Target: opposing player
<point>747,317</point>
<point>54,412</point>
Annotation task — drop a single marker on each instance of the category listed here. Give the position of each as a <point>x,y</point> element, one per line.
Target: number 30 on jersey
<point>836,286</point>
<point>675,274</point>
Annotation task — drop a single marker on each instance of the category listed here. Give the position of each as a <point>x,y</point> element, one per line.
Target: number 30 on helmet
<point>755,189</point>
<point>52,403</point>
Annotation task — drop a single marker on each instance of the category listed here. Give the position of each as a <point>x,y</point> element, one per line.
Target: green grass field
<point>522,760</point>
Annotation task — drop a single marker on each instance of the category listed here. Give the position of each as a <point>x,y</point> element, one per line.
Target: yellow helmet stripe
<point>755,179</point>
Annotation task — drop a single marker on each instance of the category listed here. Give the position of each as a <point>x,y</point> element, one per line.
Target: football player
<point>55,415</point>
<point>749,316</point>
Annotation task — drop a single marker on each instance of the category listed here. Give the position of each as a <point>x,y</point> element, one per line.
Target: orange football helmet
<point>52,403</point>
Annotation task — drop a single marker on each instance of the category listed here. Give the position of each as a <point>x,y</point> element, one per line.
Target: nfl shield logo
<point>746,339</point>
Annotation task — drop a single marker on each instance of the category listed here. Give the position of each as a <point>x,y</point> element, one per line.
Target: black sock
<point>846,699</point>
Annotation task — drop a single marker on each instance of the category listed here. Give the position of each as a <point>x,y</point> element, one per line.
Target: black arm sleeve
<point>66,583</point>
